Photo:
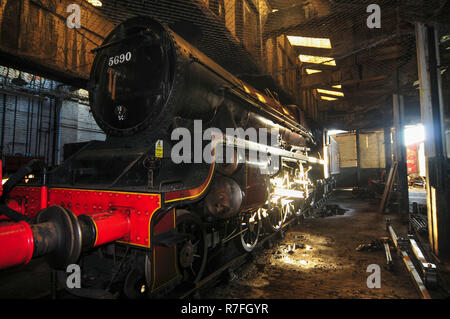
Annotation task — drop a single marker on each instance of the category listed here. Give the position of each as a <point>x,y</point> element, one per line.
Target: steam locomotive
<point>136,220</point>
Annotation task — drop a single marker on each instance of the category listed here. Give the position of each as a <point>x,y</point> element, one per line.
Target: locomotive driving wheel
<point>280,206</point>
<point>250,227</point>
<point>192,252</point>
<point>276,218</point>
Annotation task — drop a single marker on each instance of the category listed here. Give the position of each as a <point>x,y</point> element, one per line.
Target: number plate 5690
<point>118,59</point>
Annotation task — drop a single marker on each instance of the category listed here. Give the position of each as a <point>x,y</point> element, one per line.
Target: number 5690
<point>118,59</point>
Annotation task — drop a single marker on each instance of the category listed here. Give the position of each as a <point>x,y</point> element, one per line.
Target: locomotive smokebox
<point>144,75</point>
<point>131,76</point>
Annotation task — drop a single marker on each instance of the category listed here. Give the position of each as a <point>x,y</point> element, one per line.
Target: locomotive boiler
<point>139,213</point>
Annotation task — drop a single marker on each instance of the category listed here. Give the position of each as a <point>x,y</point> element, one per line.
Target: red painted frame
<point>139,207</point>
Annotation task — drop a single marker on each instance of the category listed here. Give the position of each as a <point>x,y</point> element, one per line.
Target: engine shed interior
<point>224,149</point>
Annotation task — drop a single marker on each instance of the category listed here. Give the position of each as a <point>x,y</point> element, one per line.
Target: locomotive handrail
<point>246,144</point>
<point>110,44</point>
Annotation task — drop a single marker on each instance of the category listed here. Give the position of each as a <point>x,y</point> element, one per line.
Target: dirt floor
<point>325,262</point>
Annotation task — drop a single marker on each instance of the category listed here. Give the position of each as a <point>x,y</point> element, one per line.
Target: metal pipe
<point>40,127</point>
<point>55,131</point>
<point>28,125</point>
<point>400,150</point>
<point>358,160</point>
<point>50,108</point>
<point>31,127</point>
<point>14,128</point>
<point>429,270</point>
<point>36,149</point>
<point>415,276</point>
<point>388,254</point>
<point>58,157</point>
<point>387,148</point>
<point>400,245</point>
<point>3,125</point>
<point>393,236</point>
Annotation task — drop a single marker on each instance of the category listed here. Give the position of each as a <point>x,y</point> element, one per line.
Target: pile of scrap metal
<point>374,245</point>
<point>422,270</point>
<point>419,223</point>
<point>415,180</point>
<point>418,219</point>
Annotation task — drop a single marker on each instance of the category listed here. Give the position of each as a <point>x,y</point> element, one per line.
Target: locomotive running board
<point>169,238</point>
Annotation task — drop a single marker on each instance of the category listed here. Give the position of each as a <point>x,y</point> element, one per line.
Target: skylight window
<point>322,43</point>
<point>317,59</point>
<point>312,71</point>
<point>329,92</point>
<point>327,98</point>
<point>95,3</point>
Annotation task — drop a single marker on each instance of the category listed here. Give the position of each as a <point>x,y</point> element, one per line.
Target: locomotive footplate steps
<point>169,238</point>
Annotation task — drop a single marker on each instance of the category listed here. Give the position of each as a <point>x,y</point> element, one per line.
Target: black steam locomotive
<point>146,214</point>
